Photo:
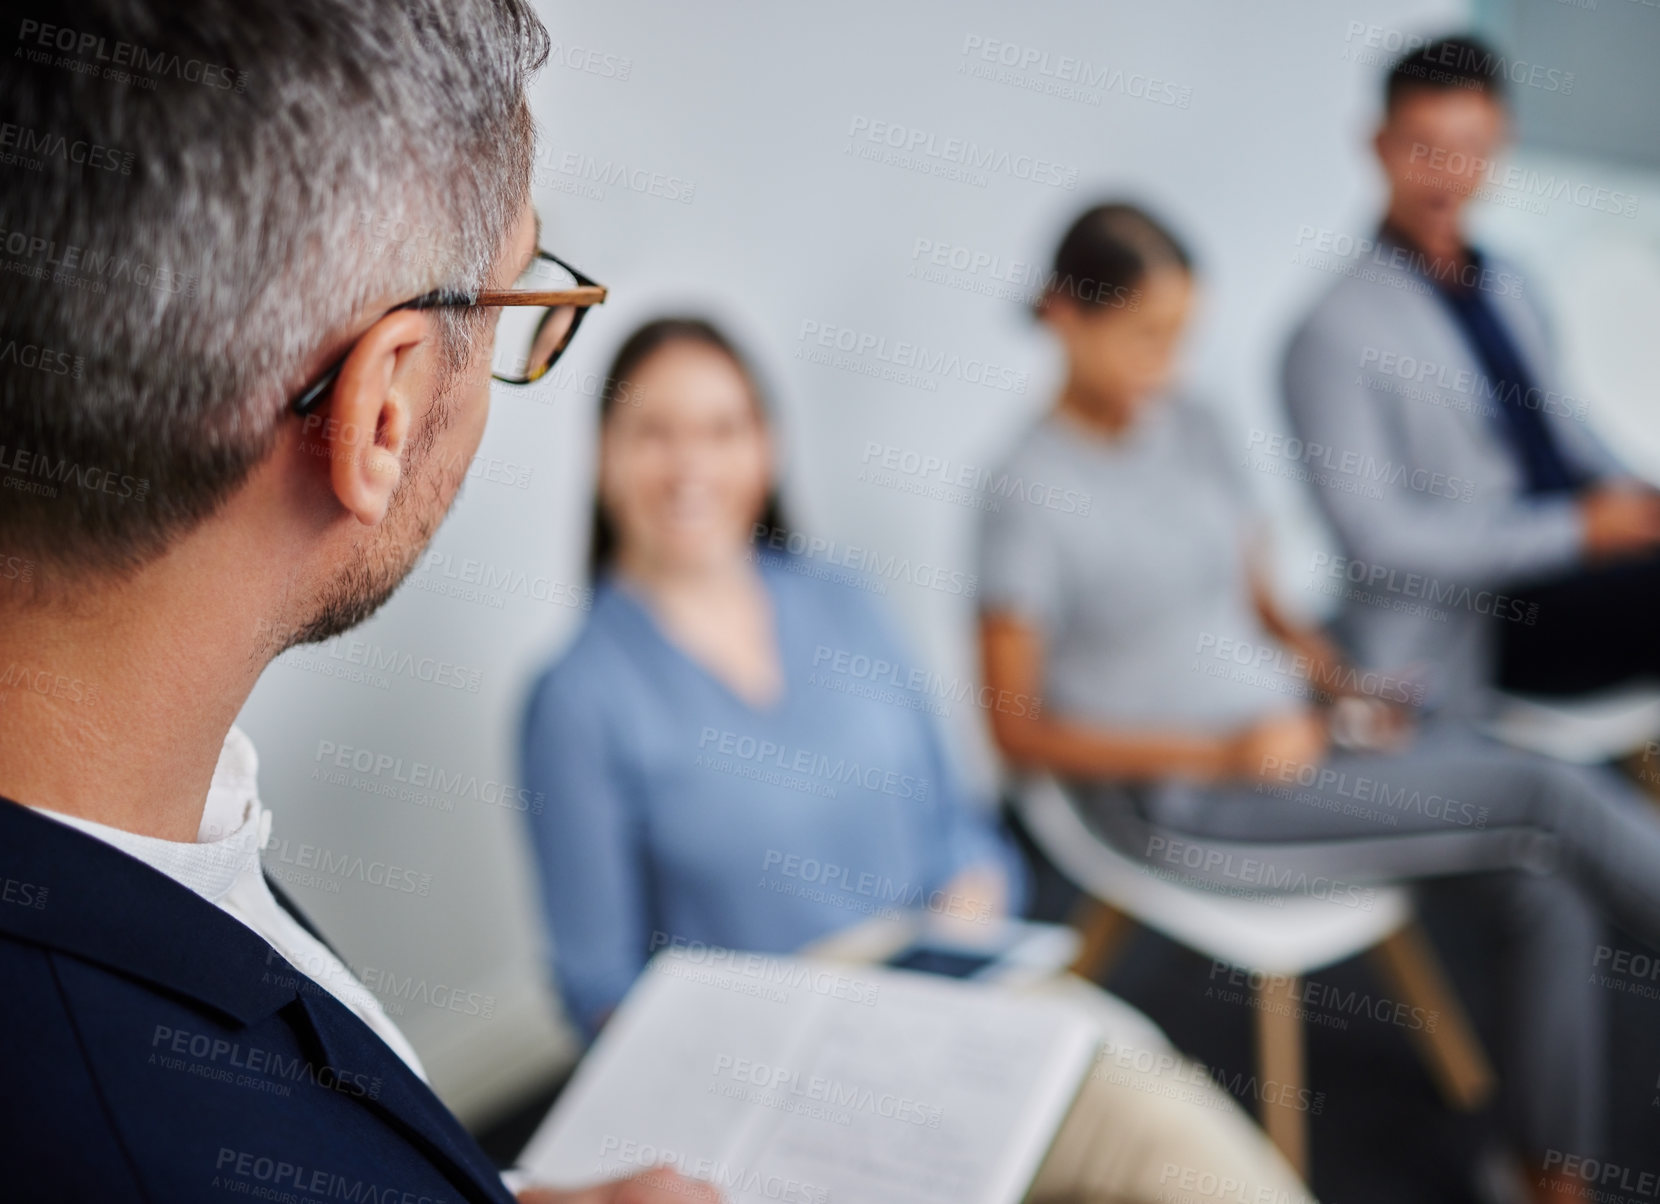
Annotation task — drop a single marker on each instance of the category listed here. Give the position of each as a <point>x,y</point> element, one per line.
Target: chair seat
<point>1278,933</point>
<point>1586,730</point>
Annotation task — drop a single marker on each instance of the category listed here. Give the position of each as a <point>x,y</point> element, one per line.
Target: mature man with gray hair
<point>232,412</point>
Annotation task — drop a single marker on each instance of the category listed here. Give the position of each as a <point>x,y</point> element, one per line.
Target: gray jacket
<point>1398,428</point>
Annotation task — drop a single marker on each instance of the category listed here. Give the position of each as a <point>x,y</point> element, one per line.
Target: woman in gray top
<point>1126,595</point>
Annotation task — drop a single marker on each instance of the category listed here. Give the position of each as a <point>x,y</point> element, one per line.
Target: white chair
<point>1587,730</point>
<point>1278,937</point>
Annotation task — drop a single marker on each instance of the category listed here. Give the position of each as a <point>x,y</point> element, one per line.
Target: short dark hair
<point>1445,65</point>
<point>221,186</point>
<point>1107,252</point>
<point>651,338</point>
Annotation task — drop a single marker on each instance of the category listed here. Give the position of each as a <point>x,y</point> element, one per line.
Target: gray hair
<point>215,188</point>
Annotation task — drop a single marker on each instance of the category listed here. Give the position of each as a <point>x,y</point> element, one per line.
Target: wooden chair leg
<point>1643,768</point>
<point>1103,929</point>
<point>1280,1061</point>
<point>1447,1042</point>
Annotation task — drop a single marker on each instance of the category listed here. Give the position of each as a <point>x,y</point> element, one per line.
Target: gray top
<point>1380,378</point>
<point>1131,564</point>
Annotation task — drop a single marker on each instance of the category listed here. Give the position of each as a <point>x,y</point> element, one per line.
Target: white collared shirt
<point>222,866</point>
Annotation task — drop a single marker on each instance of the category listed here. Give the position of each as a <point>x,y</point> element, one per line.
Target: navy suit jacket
<point>153,1048</point>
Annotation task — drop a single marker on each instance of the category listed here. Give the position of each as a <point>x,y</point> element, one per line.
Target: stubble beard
<point>418,505</point>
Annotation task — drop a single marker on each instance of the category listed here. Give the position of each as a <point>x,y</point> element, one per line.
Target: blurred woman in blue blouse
<point>718,764</point>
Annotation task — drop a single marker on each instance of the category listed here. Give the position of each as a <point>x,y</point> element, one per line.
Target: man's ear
<point>371,410</point>
<point>1380,142</point>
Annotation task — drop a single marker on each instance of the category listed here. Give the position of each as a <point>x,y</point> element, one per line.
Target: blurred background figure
<point>716,772</point>
<point>1124,617</point>
<point>709,776</point>
<point>1434,371</point>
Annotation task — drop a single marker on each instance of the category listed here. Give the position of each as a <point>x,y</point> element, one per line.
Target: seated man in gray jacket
<point>1487,536</point>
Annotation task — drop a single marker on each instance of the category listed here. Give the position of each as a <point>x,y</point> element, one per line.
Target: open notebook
<point>796,1082</point>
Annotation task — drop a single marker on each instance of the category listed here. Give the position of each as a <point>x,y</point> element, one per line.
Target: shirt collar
<point>234,827</point>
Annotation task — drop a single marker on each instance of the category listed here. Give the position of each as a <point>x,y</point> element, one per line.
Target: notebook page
<point>827,1084</point>
<point>646,1093</point>
<point>943,1094</point>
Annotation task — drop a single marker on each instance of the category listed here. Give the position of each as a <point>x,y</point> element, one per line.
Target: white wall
<point>752,103</point>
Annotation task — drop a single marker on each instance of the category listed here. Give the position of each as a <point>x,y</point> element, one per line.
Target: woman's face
<point>1127,355</point>
<point>685,463</point>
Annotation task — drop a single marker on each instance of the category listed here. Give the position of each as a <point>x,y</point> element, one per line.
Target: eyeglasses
<point>540,314</point>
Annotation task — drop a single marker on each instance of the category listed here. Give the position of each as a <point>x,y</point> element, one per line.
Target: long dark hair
<point>639,347</point>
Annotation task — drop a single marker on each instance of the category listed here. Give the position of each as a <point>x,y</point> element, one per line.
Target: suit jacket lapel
<point>404,1100</point>
<point>63,889</point>
<point>110,909</point>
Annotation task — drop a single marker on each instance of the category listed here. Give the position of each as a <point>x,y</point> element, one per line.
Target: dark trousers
<point>1596,628</point>
<point>1485,821</point>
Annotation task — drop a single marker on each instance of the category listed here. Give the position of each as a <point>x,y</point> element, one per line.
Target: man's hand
<point>1290,738</point>
<point>660,1186</point>
<point>1620,520</point>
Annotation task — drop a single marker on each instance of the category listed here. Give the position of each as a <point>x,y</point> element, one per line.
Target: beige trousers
<point>1149,1125</point>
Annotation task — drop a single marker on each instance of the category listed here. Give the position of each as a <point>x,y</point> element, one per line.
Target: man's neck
<point>1446,251</point>
<point>114,708</point>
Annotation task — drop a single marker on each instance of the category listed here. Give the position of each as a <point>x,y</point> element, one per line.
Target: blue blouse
<point>675,812</point>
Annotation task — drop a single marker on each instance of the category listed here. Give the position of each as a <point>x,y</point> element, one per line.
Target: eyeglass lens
<point>529,337</point>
